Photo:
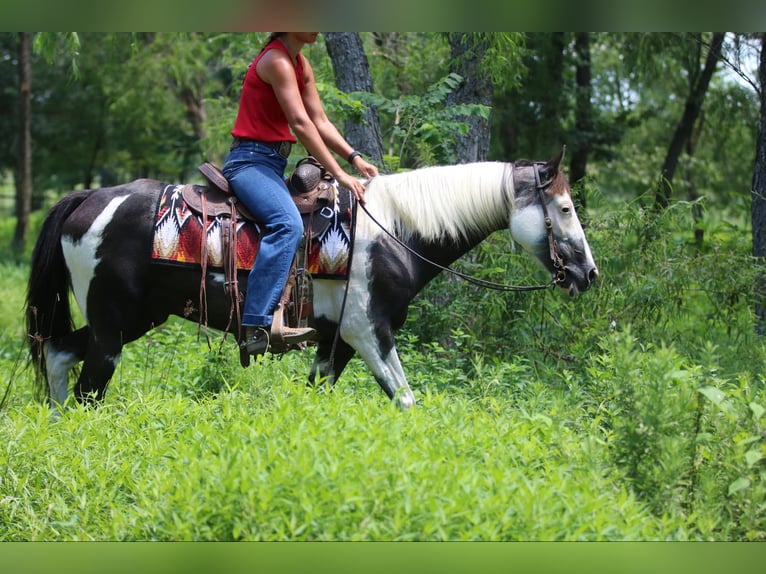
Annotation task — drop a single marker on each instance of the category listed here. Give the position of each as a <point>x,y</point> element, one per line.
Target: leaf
<point>757,410</point>
<point>753,456</point>
<point>718,398</point>
<point>739,484</point>
<point>546,420</point>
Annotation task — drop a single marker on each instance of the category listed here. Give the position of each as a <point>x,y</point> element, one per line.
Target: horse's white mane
<point>444,201</point>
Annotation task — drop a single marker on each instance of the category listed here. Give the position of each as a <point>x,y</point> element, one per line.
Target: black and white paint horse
<point>98,242</point>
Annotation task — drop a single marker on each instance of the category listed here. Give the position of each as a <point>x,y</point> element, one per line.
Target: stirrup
<point>255,341</point>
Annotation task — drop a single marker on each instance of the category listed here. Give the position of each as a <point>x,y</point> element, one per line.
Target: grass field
<point>270,460</point>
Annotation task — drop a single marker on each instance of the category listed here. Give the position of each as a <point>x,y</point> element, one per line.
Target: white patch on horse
<point>80,255</point>
<point>58,365</point>
<point>359,332</point>
<point>328,299</point>
<point>115,359</point>
<point>528,227</point>
<point>215,277</point>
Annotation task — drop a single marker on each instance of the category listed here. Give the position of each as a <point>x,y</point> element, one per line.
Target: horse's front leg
<point>389,373</point>
<point>372,339</point>
<point>375,344</point>
<point>330,362</point>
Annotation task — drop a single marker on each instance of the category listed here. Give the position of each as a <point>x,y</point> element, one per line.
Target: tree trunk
<point>693,194</point>
<point>24,169</point>
<point>352,74</point>
<point>758,202</point>
<point>686,124</point>
<point>553,102</point>
<point>468,52</point>
<point>583,114</point>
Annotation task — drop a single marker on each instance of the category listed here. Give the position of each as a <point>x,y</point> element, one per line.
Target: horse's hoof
<point>404,400</point>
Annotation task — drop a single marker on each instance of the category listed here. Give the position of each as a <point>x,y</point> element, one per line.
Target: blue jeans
<point>256,175</point>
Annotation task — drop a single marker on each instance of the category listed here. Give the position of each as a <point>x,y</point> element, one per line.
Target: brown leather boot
<point>294,335</point>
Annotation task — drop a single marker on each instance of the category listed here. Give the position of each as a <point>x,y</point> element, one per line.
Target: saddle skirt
<point>186,213</point>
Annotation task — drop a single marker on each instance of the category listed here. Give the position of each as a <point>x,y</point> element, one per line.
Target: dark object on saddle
<point>307,175</point>
<point>311,186</point>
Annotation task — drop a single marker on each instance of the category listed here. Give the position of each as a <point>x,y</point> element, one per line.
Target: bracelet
<point>352,155</point>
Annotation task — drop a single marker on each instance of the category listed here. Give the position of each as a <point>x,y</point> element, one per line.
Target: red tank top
<point>260,117</point>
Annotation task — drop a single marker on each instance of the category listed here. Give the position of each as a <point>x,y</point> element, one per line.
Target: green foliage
<point>657,354</point>
<point>690,441</point>
<point>503,61</point>
<point>424,124</point>
<point>652,412</point>
<point>273,461</point>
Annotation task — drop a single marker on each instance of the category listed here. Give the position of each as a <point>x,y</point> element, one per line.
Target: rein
<point>558,264</point>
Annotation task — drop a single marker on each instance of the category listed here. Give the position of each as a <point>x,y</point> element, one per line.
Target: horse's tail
<point>48,312</point>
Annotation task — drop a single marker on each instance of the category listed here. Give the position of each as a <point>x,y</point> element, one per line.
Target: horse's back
<point>101,205</point>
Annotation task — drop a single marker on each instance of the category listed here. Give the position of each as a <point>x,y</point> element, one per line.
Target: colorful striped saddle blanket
<point>178,233</point>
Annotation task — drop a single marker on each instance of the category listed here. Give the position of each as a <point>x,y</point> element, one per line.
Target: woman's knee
<point>295,227</point>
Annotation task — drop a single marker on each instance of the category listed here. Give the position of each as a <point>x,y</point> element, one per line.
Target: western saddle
<point>311,188</point>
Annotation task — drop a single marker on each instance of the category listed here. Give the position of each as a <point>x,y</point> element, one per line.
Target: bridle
<point>560,273</point>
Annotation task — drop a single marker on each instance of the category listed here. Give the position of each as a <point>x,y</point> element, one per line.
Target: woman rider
<point>279,98</point>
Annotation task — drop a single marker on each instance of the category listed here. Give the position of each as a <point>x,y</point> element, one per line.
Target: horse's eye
<point>565,209</point>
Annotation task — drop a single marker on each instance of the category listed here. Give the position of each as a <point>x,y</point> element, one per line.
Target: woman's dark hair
<point>272,36</point>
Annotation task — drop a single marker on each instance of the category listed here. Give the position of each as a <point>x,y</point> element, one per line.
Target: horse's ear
<point>552,166</point>
<point>555,161</point>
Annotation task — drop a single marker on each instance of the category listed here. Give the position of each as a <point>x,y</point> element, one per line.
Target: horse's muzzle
<point>575,280</point>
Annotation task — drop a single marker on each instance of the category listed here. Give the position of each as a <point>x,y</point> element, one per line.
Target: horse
<point>95,244</point>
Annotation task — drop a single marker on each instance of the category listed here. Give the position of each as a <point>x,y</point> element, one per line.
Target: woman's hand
<point>353,184</point>
<point>365,168</point>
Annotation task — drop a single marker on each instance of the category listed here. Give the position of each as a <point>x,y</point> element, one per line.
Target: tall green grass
<point>271,460</point>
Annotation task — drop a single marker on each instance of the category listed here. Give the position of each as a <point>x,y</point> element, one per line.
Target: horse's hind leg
<point>61,355</point>
<point>101,359</point>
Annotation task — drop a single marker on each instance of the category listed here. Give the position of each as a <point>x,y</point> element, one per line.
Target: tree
<point>24,169</point>
<point>527,117</point>
<point>583,112</point>
<point>758,204</point>
<point>352,74</point>
<point>699,80</point>
<point>468,54</point>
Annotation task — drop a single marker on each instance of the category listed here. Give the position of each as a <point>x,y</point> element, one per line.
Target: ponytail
<point>273,36</point>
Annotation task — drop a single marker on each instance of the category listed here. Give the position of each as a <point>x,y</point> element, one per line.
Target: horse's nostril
<point>593,275</point>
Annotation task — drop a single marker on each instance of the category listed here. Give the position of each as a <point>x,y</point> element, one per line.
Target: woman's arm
<point>276,69</point>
